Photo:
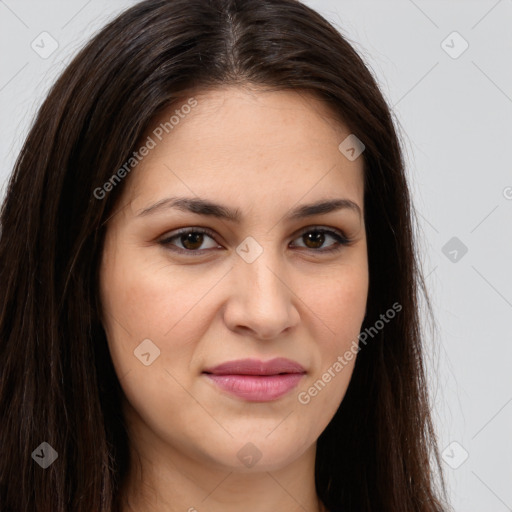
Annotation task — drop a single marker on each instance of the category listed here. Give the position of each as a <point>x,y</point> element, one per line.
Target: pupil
<point>194,239</point>
<point>316,237</point>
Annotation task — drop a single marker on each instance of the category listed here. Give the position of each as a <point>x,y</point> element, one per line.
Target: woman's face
<point>260,287</point>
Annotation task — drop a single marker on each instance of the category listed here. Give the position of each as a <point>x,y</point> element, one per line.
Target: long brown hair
<point>58,384</point>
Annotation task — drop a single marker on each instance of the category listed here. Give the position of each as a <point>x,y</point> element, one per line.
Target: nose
<point>261,300</point>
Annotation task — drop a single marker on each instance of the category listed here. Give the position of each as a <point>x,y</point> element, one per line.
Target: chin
<point>258,452</point>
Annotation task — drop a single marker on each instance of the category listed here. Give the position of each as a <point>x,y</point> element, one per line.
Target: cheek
<point>339,301</point>
<point>340,305</point>
<point>148,298</point>
<point>149,320</point>
<point>160,302</point>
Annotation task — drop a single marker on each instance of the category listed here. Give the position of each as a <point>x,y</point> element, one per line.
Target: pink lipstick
<point>255,380</point>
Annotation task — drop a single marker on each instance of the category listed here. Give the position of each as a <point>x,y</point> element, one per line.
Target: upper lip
<point>256,367</point>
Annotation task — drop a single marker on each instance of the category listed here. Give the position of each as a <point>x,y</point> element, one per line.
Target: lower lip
<point>257,388</point>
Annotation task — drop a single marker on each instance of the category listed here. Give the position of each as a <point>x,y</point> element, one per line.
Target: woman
<point>210,279</point>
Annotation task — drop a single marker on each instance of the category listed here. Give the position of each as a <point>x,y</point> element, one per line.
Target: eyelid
<point>322,229</point>
<point>189,229</point>
<point>341,239</point>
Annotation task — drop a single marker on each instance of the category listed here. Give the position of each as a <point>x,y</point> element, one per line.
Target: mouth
<point>257,381</point>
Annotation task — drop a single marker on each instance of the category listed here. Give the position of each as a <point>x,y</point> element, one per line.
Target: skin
<point>264,153</point>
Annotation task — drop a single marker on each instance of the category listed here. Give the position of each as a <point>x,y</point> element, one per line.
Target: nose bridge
<point>262,298</point>
<point>259,267</point>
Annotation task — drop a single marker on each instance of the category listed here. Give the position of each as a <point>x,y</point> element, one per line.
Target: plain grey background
<point>445,68</point>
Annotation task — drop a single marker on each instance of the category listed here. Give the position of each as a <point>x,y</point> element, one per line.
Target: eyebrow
<point>211,209</point>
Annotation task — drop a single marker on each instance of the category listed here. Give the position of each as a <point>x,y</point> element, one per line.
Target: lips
<point>257,367</point>
<point>257,381</point>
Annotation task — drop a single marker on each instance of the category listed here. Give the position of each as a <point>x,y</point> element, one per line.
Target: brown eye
<point>314,238</point>
<point>191,240</point>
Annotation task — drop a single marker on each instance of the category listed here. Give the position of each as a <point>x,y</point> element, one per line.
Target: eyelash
<point>337,235</point>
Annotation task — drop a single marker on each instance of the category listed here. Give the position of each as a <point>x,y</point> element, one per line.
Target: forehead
<point>250,146</point>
